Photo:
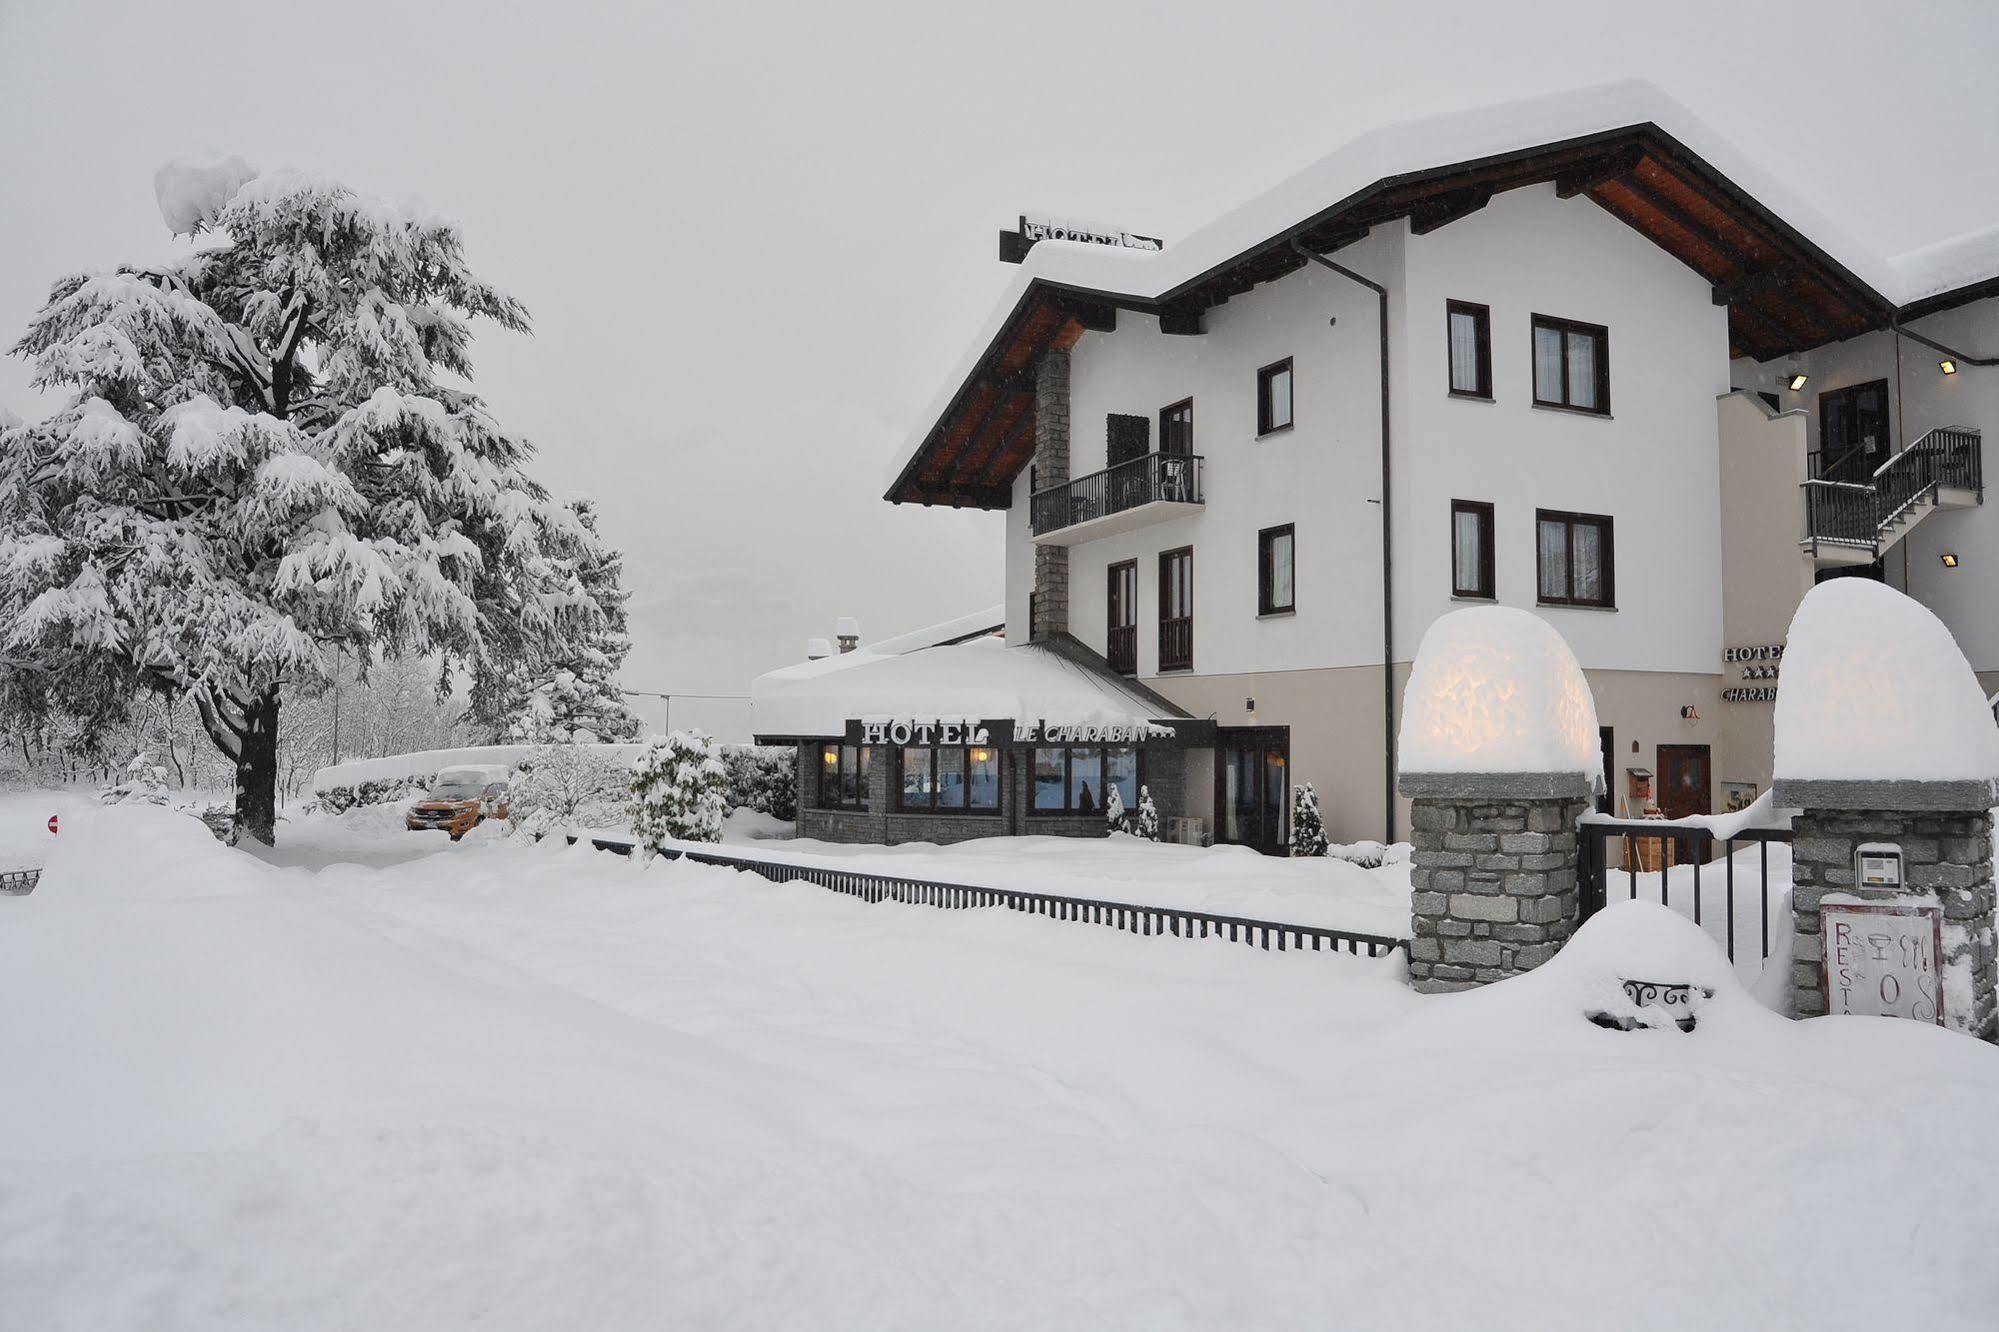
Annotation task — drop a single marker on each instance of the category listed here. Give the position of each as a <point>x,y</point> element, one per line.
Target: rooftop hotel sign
<point>1014,245</point>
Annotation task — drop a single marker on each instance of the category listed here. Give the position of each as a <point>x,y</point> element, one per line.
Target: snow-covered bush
<point>569,786</point>
<point>145,784</point>
<point>1114,815</point>
<point>1146,822</point>
<point>680,790</point>
<point>1369,855</point>
<point>763,778</point>
<point>380,791</point>
<point>1308,826</point>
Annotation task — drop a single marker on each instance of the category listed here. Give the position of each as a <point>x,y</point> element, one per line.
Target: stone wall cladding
<point>1492,887</point>
<point>1947,859</point>
<point>1051,467</point>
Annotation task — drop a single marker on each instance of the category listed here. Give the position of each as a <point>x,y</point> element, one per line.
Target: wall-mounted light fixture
<point>1797,380</point>
<point>1950,559</point>
<point>1690,713</point>
<point>1947,365</point>
<point>1249,705</point>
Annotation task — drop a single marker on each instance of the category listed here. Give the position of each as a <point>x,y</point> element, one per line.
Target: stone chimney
<point>1051,468</point>
<point>848,630</point>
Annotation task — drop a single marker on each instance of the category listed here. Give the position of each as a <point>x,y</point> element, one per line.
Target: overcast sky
<point>755,239</point>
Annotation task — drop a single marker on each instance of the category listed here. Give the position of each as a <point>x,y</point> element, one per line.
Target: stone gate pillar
<point>1493,873</point>
<point>1943,833</point>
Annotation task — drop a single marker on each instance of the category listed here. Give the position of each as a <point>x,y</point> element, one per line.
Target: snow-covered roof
<point>1495,689</point>
<point>1876,690</point>
<point>982,679</point>
<point>1388,155</point>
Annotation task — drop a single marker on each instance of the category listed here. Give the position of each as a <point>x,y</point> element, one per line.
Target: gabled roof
<point>1790,278</point>
<point>1055,680</point>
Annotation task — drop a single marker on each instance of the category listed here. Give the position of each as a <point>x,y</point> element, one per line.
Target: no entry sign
<point>52,823</point>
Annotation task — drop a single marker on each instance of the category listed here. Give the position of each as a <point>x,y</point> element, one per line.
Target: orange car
<point>461,800</point>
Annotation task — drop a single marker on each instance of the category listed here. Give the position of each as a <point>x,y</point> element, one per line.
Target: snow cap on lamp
<point>1495,693</point>
<point>1878,707</point>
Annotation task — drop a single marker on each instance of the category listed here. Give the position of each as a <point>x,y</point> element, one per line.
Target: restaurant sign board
<point>1881,959</point>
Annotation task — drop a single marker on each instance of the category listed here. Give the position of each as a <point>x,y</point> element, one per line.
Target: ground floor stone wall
<point>1493,887</point>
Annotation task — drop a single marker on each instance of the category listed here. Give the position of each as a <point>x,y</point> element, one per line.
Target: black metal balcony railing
<point>1121,648</point>
<point>1176,643</point>
<point>1155,477</point>
<point>1862,513</point>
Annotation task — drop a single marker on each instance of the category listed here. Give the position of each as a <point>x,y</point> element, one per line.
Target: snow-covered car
<point>460,800</point>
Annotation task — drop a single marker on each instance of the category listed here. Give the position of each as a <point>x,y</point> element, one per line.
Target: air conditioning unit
<point>1187,830</point>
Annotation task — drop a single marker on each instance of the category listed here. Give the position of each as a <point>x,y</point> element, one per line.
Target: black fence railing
<point>1176,644</point>
<point>19,883</point>
<point>1675,865</point>
<point>1858,513</point>
<point>1121,648</point>
<point>1154,477</point>
<point>1128,916</point>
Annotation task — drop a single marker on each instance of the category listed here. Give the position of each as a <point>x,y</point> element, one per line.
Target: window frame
<point>1567,327</point>
<point>1264,376</point>
<point>1112,573</point>
<point>863,762</point>
<point>1165,418</point>
<point>1165,589</point>
<point>902,805</point>
<point>1266,581</point>
<point>1034,810</point>
<point>1481,316</point>
<point>1487,571</point>
<point>1607,543</point>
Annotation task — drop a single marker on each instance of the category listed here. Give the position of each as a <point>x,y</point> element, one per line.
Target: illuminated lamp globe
<point>1496,693</point>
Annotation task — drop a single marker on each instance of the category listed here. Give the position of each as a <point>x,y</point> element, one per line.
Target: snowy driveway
<point>531,1088</point>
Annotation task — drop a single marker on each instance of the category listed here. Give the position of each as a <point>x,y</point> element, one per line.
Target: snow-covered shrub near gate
<point>1308,826</point>
<point>763,778</point>
<point>577,785</point>
<point>1369,855</point>
<point>680,790</point>
<point>1146,822</point>
<point>145,784</point>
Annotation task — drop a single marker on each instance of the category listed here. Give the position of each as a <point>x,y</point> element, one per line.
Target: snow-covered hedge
<point>763,778</point>
<point>571,786</point>
<point>402,776</point>
<point>680,790</point>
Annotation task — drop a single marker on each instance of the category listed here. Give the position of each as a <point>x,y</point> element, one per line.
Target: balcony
<point>1151,489</point>
<point>1849,522</point>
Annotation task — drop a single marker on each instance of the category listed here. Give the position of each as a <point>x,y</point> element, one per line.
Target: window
<point>1276,590</point>
<point>1471,349</point>
<point>1273,397</point>
<point>1074,779</point>
<point>1176,427</point>
<point>1573,555</point>
<point>949,779</point>
<point>1571,365</point>
<point>1176,609</point>
<point>1126,438</point>
<point>1471,549</point>
<point>843,776</point>
<point>1121,617</point>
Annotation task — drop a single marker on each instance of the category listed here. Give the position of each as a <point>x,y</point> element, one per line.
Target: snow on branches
<point>257,462</point>
<point>680,790</point>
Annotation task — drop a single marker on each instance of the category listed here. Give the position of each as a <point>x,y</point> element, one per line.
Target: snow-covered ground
<point>393,1082</point>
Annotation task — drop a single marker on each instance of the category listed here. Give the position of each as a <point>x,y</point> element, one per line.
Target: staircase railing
<point>1859,514</point>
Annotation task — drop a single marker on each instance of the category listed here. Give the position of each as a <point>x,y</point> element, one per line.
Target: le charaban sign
<point>1045,228</point>
<point>964,731</point>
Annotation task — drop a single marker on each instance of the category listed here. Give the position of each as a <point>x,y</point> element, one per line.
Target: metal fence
<point>1647,850</point>
<point>1128,916</point>
<point>19,883</point>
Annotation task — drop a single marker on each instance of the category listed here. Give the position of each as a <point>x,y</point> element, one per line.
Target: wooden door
<point>1685,781</point>
<point>1253,788</point>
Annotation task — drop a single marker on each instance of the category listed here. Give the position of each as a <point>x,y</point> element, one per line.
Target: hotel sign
<point>966,731</point>
<point>1759,661</point>
<point>909,731</point>
<point>1014,245</point>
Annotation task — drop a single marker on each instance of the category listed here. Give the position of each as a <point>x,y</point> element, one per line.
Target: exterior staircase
<point>1856,522</point>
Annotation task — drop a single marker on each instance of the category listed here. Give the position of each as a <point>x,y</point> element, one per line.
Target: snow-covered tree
<point>145,784</point>
<point>1114,816</point>
<point>1308,826</point>
<point>568,785</point>
<point>1146,822</point>
<point>680,790</point>
<point>258,462</point>
<point>571,693</point>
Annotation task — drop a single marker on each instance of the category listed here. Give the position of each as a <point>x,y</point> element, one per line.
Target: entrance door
<point>1853,431</point>
<point>1685,784</point>
<point>1253,787</point>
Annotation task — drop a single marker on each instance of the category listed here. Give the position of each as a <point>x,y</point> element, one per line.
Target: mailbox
<point>1639,782</point>
<point>1877,865</point>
